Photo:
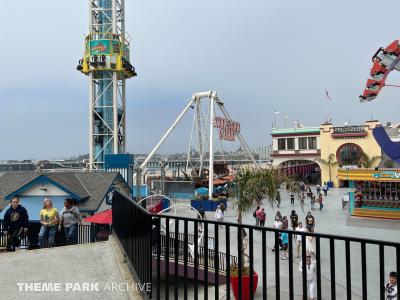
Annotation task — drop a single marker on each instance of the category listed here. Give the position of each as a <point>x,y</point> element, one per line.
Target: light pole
<point>179,167</point>
<point>162,167</point>
<point>275,113</point>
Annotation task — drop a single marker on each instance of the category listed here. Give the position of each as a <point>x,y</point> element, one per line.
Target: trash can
<point>330,184</point>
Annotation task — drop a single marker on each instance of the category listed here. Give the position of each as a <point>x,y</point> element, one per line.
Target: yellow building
<point>345,145</point>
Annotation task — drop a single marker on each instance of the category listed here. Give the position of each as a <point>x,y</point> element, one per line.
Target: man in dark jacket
<point>15,222</point>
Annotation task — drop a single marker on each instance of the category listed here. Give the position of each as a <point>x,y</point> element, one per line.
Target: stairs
<point>393,214</point>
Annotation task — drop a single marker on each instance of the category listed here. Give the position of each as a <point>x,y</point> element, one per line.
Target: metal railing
<point>190,259</point>
<point>86,234</point>
<point>349,129</point>
<point>345,267</point>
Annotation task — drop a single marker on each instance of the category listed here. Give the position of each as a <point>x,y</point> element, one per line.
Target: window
<point>312,143</point>
<point>281,144</point>
<point>290,143</point>
<point>303,143</point>
<point>349,154</point>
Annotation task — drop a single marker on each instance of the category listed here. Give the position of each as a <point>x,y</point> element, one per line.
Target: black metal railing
<point>348,129</point>
<point>30,240</point>
<point>345,267</point>
<point>190,258</point>
<point>132,224</point>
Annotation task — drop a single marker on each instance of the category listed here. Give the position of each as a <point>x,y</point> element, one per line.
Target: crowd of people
<point>16,223</point>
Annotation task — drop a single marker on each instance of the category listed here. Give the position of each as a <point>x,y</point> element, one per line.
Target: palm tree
<point>368,162</point>
<point>330,162</point>
<point>254,185</point>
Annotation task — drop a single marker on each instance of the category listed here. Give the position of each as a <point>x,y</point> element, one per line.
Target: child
<point>391,287</point>
<point>285,243</point>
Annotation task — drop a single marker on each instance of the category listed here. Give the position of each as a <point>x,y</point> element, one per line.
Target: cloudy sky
<point>260,56</point>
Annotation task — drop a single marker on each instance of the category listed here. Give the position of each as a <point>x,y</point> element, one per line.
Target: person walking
<point>310,221</point>
<point>302,198</point>
<point>391,287</point>
<point>49,220</point>
<point>284,244</point>
<point>69,218</point>
<point>291,198</point>
<point>310,243</point>
<point>285,223</point>
<point>318,189</point>
<point>311,275</point>
<point>299,238</point>
<point>219,215</point>
<point>277,225</point>
<point>262,216</point>
<point>16,221</point>
<point>312,201</point>
<point>309,192</point>
<point>223,208</point>
<point>320,200</point>
<point>325,189</point>
<point>278,198</point>
<point>255,215</point>
<point>294,219</point>
<point>201,216</point>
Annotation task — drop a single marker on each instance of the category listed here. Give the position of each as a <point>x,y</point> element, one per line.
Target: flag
<point>327,95</point>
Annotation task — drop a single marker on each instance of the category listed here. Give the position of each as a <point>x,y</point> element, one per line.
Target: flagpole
<point>327,97</point>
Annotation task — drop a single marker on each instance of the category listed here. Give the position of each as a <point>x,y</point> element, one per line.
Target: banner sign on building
<point>99,47</point>
<point>387,174</point>
<point>227,128</point>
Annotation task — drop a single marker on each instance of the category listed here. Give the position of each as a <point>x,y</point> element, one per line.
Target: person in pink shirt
<point>261,216</point>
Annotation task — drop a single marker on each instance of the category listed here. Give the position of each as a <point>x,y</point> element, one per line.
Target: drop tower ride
<point>106,62</point>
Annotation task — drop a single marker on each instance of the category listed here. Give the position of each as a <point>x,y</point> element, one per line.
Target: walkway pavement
<point>71,270</point>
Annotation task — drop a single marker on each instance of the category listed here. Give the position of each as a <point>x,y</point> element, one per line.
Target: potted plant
<point>234,278</point>
<point>252,186</point>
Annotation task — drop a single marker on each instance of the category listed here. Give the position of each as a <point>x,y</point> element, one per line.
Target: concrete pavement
<point>89,271</point>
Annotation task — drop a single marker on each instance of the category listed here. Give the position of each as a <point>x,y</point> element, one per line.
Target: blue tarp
<point>202,191</point>
<point>34,204</point>
<point>392,149</point>
<point>209,205</point>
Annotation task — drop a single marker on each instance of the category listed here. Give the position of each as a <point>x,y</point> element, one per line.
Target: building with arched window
<point>347,147</point>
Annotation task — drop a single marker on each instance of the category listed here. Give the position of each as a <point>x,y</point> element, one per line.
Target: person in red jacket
<point>261,215</point>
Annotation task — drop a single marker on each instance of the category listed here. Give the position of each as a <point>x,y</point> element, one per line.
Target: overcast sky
<point>258,55</point>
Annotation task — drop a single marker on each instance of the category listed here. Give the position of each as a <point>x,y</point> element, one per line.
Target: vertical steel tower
<point>106,62</point>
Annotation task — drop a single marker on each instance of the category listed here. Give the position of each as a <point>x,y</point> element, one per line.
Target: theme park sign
<point>387,174</point>
<point>227,128</point>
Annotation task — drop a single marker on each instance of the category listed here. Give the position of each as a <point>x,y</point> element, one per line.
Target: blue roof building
<point>92,191</point>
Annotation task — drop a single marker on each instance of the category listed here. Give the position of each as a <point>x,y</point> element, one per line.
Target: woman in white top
<point>278,225</point>
<point>311,276</point>
<point>219,215</point>
<point>310,243</point>
<point>299,238</point>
